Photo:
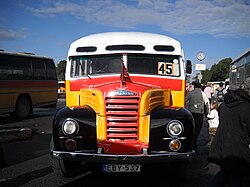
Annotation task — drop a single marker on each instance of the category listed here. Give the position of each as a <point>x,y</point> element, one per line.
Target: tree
<point>60,70</point>
<point>206,76</point>
<point>218,72</point>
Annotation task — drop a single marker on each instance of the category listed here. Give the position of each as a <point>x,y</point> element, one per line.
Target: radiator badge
<point>121,93</point>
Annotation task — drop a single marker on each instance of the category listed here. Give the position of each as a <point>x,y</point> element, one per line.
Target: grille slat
<point>122,129</point>
<point>111,124</point>
<point>122,136</point>
<point>119,113</point>
<point>127,107</point>
<point>122,117</point>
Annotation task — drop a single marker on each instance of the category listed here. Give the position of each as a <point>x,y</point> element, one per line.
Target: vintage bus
<point>240,70</point>
<point>125,94</point>
<point>27,81</point>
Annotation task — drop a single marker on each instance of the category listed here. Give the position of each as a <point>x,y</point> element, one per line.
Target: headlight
<point>70,127</point>
<point>175,128</point>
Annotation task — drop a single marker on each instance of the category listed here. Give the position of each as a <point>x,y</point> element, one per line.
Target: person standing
<point>226,85</point>
<point>213,119</point>
<point>209,91</point>
<point>230,148</point>
<point>197,103</point>
<point>220,92</point>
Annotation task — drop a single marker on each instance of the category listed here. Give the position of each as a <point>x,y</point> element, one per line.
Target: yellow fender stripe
<point>150,100</point>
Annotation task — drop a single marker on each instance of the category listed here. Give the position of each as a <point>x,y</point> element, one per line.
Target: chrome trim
<point>111,158</point>
<point>179,138</point>
<point>75,137</point>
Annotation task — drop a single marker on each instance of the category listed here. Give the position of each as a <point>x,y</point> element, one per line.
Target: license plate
<point>121,168</point>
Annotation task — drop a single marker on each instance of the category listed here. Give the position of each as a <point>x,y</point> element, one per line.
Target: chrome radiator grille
<point>122,117</point>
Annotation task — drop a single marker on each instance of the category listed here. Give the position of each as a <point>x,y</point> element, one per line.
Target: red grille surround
<point>122,117</point>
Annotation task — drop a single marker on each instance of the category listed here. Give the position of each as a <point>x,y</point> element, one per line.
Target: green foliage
<point>218,72</point>
<point>60,70</point>
<point>206,76</point>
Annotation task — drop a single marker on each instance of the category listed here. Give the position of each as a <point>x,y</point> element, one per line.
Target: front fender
<point>159,138</point>
<point>86,136</point>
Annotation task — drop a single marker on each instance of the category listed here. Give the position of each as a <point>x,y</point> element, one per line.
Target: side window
<point>247,72</point>
<point>21,69</point>
<point>38,69</point>
<point>50,70</point>
<point>14,68</point>
<point>5,68</point>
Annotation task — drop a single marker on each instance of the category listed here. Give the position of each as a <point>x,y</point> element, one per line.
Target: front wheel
<point>65,168</point>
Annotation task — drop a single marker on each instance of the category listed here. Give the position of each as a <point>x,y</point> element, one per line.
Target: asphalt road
<point>27,162</point>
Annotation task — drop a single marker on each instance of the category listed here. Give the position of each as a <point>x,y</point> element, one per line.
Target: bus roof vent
<point>27,53</point>
<point>125,47</point>
<point>86,49</point>
<point>168,48</point>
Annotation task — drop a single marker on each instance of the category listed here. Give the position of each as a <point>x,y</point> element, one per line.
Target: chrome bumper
<point>112,158</point>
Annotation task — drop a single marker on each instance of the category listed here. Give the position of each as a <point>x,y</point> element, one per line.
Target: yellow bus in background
<point>61,89</point>
<point>27,81</point>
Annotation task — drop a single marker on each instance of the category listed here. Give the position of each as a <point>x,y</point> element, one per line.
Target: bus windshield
<point>148,64</point>
<point>151,64</point>
<point>95,65</point>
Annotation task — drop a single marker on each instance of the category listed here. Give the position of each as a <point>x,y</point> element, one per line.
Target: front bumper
<point>112,158</point>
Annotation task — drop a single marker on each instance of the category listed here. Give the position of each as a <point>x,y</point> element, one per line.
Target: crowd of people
<point>227,112</point>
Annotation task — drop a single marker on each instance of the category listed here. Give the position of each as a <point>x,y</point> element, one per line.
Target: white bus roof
<point>102,40</point>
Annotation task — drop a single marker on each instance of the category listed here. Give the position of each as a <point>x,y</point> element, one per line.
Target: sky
<point>219,28</point>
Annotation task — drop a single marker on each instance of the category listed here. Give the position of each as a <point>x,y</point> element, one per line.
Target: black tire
<point>23,107</point>
<point>65,168</point>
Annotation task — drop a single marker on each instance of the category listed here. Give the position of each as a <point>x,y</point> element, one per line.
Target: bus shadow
<point>197,174</point>
<point>9,118</point>
<point>112,180</point>
<point>37,113</point>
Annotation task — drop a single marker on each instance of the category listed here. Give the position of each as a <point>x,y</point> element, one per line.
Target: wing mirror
<point>189,67</point>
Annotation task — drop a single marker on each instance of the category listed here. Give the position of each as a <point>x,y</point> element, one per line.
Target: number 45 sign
<point>165,68</point>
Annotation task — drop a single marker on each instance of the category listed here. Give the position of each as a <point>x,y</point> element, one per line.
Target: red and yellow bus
<point>27,81</point>
<point>125,94</point>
